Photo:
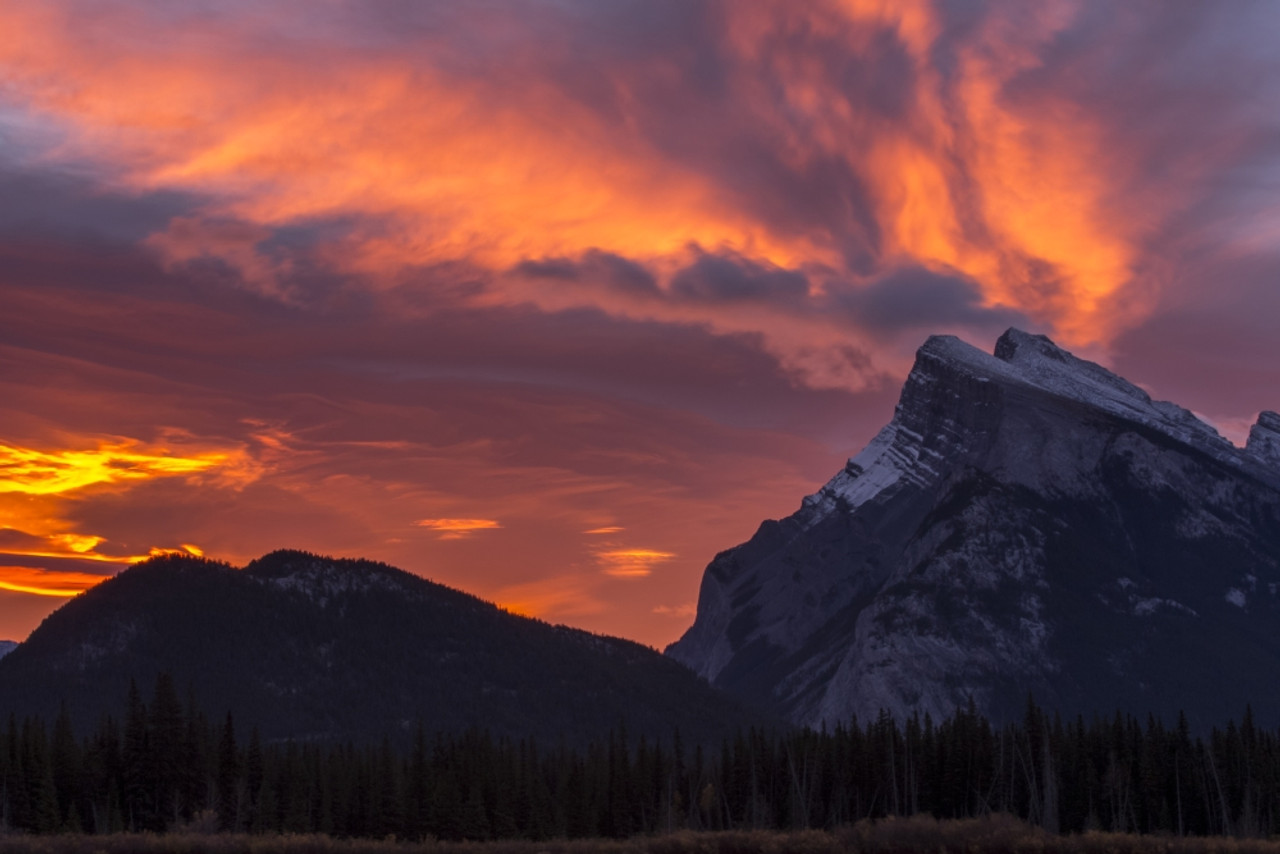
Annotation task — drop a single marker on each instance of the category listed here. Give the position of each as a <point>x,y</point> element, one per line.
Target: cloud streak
<point>458,529</point>
<point>44,582</point>
<point>33,472</point>
<point>631,563</point>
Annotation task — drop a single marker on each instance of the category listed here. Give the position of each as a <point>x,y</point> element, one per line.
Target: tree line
<point>166,766</point>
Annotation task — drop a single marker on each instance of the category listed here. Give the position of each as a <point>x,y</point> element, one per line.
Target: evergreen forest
<point>168,767</point>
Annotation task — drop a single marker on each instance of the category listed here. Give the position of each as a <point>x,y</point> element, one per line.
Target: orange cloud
<point>44,582</point>
<point>32,472</point>
<point>458,529</point>
<point>631,563</point>
<point>76,547</point>
<point>462,170</point>
<point>37,487</point>
<point>156,551</point>
<point>434,166</point>
<point>610,529</point>
<point>1017,196</point>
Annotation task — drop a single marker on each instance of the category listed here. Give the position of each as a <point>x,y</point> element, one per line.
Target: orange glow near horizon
<point>42,582</point>
<point>39,487</point>
<point>82,548</point>
<point>562,596</point>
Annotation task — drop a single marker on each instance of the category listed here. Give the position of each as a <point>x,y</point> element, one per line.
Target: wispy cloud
<point>43,491</point>
<point>34,472</point>
<point>631,563</point>
<point>43,582</point>
<point>458,529</point>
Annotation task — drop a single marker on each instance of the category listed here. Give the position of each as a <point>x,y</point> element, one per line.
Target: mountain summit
<point>1027,522</point>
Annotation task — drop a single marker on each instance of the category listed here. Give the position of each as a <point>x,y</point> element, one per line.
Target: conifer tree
<point>229,789</point>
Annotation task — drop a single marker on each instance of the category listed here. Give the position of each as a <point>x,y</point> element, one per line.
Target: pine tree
<point>229,789</point>
<point>166,754</point>
<point>66,768</point>
<point>37,769</point>
<point>255,774</point>
<point>418,789</point>
<point>136,792</point>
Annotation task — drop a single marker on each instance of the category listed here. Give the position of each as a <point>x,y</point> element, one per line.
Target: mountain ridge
<point>957,554</point>
<point>315,648</point>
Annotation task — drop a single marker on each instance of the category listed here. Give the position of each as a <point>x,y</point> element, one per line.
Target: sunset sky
<point>550,301</point>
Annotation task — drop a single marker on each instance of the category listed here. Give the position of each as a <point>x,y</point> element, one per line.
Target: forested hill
<point>310,648</point>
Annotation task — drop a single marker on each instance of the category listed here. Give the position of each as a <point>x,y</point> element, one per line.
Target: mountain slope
<point>1027,521</point>
<point>307,647</point>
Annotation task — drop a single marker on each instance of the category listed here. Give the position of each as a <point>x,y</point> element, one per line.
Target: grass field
<point>917,835</point>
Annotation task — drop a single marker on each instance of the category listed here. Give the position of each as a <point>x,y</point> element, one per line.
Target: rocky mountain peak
<point>1035,361</point>
<point>1039,361</point>
<point>1016,345</point>
<point>1264,439</point>
<point>1028,520</point>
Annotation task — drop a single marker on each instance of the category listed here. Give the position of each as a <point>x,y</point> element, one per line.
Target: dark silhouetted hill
<point>307,647</point>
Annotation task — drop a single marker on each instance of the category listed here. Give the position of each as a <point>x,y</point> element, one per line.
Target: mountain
<point>7,646</point>
<point>1027,522</point>
<point>310,648</point>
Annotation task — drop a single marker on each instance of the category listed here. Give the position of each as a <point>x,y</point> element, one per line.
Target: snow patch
<point>321,583</point>
<point>1236,597</point>
<point>1147,607</point>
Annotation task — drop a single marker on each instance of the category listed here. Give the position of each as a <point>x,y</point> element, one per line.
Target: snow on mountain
<point>7,646</point>
<point>976,548</point>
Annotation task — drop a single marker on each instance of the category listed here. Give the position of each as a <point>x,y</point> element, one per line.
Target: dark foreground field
<point>917,835</point>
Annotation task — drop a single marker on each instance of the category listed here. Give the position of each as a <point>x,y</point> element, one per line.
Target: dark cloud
<point>46,204</point>
<point>59,564</point>
<point>733,119</point>
<point>914,298</point>
<point>594,267</point>
<point>729,278</point>
<point>116,309</point>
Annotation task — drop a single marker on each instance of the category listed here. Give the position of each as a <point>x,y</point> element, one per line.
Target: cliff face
<point>1027,521</point>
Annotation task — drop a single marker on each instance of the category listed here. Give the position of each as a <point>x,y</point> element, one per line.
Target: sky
<point>551,301</point>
